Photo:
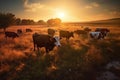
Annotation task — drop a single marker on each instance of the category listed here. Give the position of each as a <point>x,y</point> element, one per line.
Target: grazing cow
<point>80,32</point>
<point>65,34</point>
<point>87,29</point>
<point>42,40</point>
<point>51,32</point>
<point>11,34</point>
<point>96,35</point>
<point>19,31</point>
<point>104,31</point>
<point>28,30</point>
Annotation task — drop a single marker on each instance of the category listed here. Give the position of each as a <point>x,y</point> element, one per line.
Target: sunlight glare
<point>61,14</point>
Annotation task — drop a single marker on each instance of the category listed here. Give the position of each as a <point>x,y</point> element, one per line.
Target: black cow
<point>51,32</point>
<point>42,40</point>
<point>11,34</point>
<point>28,30</point>
<point>65,34</point>
<point>19,31</point>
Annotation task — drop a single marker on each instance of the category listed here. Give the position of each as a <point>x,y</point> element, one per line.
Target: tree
<point>27,22</point>
<point>18,21</point>
<point>6,20</point>
<point>41,22</point>
<point>54,22</point>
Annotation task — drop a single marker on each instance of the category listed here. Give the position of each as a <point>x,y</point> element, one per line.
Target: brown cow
<point>65,34</point>
<point>42,40</point>
<point>87,29</point>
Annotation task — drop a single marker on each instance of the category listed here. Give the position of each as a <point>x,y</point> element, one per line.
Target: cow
<point>28,30</point>
<point>47,41</point>
<point>96,35</point>
<point>11,34</point>
<point>51,32</point>
<point>19,31</point>
<point>65,34</point>
<point>80,32</point>
<point>104,31</point>
<point>87,29</point>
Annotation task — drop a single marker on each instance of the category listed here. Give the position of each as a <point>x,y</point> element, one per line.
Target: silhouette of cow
<point>28,30</point>
<point>19,31</point>
<point>11,34</point>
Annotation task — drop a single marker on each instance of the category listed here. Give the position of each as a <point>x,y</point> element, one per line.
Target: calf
<point>11,34</point>
<point>42,40</point>
<point>65,34</point>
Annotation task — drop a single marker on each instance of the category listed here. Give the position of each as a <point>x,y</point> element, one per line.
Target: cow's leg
<point>47,50</point>
<point>91,36</point>
<point>38,51</point>
<point>34,46</point>
<point>37,48</point>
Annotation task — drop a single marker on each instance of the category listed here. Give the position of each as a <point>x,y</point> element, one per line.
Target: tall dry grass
<point>79,56</point>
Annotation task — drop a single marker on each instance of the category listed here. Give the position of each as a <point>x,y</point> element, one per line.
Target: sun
<point>60,15</point>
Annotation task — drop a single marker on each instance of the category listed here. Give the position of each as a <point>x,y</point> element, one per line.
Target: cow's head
<point>54,41</point>
<point>57,41</point>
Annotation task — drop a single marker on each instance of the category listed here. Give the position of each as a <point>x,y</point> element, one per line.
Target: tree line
<point>8,19</point>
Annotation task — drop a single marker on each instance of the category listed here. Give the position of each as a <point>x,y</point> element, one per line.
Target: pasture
<point>79,58</point>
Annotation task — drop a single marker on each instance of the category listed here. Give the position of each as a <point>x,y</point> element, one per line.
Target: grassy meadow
<point>80,58</point>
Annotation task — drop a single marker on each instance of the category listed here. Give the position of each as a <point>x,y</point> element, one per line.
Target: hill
<point>111,21</point>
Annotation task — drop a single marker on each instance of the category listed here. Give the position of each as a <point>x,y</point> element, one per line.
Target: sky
<point>66,10</point>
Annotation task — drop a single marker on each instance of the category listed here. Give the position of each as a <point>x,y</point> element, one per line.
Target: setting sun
<point>61,15</point>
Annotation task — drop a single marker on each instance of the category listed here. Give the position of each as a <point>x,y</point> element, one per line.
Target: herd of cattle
<point>49,41</point>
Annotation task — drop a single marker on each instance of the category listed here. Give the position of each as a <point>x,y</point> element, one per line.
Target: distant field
<point>82,58</point>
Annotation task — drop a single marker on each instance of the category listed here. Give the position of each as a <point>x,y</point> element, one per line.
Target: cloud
<point>92,5</point>
<point>115,13</point>
<point>88,7</point>
<point>32,7</point>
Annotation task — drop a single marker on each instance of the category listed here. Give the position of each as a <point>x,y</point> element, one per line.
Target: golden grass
<point>22,46</point>
<point>24,42</point>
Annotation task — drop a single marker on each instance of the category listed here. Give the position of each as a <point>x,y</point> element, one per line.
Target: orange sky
<point>67,10</point>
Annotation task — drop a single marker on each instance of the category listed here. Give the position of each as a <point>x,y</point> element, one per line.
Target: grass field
<point>80,58</point>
